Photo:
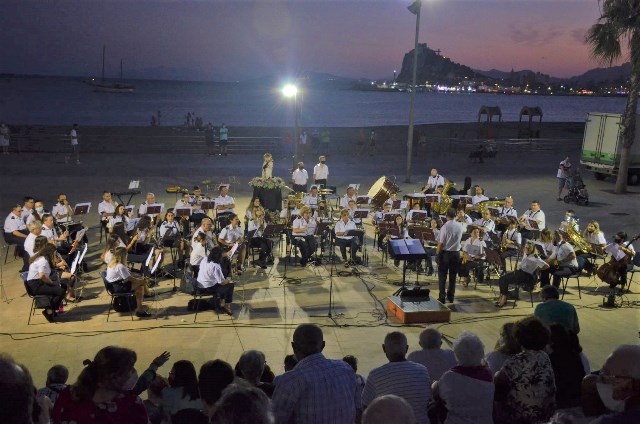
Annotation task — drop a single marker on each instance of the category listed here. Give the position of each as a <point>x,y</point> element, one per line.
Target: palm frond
<point>604,38</point>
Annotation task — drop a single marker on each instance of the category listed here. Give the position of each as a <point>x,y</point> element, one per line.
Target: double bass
<point>610,272</point>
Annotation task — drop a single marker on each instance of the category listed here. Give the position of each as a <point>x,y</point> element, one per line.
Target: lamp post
<point>415,9</point>
<point>289,91</point>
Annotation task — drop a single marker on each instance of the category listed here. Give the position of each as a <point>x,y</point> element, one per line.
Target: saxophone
<point>445,200</point>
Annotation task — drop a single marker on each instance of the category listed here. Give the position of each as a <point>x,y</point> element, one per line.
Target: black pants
<point>300,188</point>
<point>54,291</point>
<point>352,243</point>
<point>558,273</point>
<point>307,245</point>
<point>476,266</point>
<point>508,253</point>
<point>321,182</point>
<point>529,235</point>
<point>263,244</point>
<point>222,291</point>
<point>516,277</point>
<point>19,243</point>
<point>448,266</point>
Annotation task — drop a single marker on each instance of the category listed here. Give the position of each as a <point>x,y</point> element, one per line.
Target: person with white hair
<point>251,365</point>
<point>432,356</point>
<point>470,379</point>
<point>400,377</point>
<point>389,409</point>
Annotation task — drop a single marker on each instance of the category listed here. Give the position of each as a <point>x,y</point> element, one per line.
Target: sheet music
<point>148,261</point>
<point>614,250</point>
<point>233,249</point>
<point>82,208</point>
<point>80,234</point>
<point>134,184</point>
<point>473,250</point>
<point>403,204</point>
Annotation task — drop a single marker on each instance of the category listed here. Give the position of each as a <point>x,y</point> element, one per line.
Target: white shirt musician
<point>231,233</point>
<point>62,211</point>
<point>593,234</point>
<point>169,228</point>
<point>512,239</point>
<point>304,227</point>
<point>312,198</point>
<point>464,220</point>
<point>300,176</point>
<point>184,203</point>
<point>224,202</point>
<point>27,209</point>
<point>343,226</point>
<point>107,207</point>
<point>479,196</point>
<point>49,231</point>
<point>486,223</point>
<point>205,227</point>
<point>321,171</point>
<point>534,213</point>
<point>196,199</point>
<point>378,217</point>
<point>507,209</point>
<point>210,274</point>
<point>351,195</point>
<point>434,181</point>
<point>198,250</point>
<point>151,199</point>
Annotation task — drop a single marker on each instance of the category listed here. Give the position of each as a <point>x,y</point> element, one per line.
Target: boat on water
<point>106,86</point>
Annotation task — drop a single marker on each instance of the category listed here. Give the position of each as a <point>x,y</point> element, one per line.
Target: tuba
<point>577,240</point>
<point>482,206</point>
<point>445,201</point>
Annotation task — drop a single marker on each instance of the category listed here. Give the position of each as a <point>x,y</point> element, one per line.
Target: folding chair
<point>197,293</point>
<point>35,298</point>
<point>109,288</point>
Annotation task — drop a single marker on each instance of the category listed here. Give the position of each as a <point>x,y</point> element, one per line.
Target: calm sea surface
<point>66,100</point>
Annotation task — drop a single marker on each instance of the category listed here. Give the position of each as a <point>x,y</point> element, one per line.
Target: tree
<point>619,23</point>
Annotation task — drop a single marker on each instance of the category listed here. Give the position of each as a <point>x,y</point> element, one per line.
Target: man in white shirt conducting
<point>448,252</point>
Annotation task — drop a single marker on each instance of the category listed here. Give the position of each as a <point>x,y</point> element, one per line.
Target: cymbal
<point>326,191</point>
<point>206,182</point>
<point>173,189</point>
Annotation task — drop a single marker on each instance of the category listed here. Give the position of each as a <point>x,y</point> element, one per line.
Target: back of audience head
<point>352,361</point>
<point>389,409</point>
<point>469,349</point>
<point>507,343</point>
<point>395,345</point>
<point>621,371</point>
<point>307,340</point>
<point>215,255</point>
<point>251,365</point>
<point>57,374</point>
<point>549,292</point>
<point>110,369</point>
<point>290,362</point>
<point>430,338</point>
<point>214,377</point>
<point>562,340</point>
<point>183,374</point>
<point>242,405</point>
<point>154,392</point>
<point>17,392</point>
<point>531,333</point>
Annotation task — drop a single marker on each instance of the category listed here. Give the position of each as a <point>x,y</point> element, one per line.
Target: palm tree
<point>619,23</point>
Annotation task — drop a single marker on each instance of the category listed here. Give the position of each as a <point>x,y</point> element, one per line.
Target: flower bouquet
<point>268,183</point>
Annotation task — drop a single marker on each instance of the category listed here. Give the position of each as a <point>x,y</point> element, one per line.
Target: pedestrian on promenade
<point>208,138</point>
<point>224,139</point>
<point>564,170</point>
<point>4,138</point>
<point>372,141</point>
<point>74,143</point>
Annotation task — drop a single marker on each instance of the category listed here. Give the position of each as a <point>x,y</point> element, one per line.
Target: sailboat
<point>104,86</point>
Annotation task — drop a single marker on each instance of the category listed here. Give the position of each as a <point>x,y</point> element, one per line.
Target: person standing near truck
<point>564,170</point>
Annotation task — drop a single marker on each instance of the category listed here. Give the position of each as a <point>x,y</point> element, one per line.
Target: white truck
<point>602,145</point>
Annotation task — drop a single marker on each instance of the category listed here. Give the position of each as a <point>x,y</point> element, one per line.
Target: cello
<point>610,272</point>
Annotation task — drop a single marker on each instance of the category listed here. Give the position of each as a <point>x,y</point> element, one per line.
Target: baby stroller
<point>577,190</point>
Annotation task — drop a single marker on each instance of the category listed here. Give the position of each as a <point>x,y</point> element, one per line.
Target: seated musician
<point>42,280</point>
<point>472,258</point>
<point>230,235</point>
<point>123,282</point>
<point>197,213</point>
<point>569,219</point>
<point>312,198</point>
<point>120,214</point>
<point>225,205</point>
<point>511,242</point>
<point>199,251</point>
<point>505,211</point>
<point>213,279</point>
<point>106,208</point>
<point>142,211</point>
<point>476,200</point>
<point>533,214</point>
<point>253,206</point>
<point>546,242</point>
<point>464,219</point>
<point>184,203</point>
<point>303,234</point>
<point>597,240</point>
<point>435,225</point>
<point>145,241</point>
<point>15,232</point>
<point>27,208</point>
<point>52,235</point>
<point>344,225</point>
<point>562,262</point>
<point>62,211</point>
<point>351,195</point>
<point>113,242</point>
<point>378,217</point>
<point>322,213</point>
<point>402,232</point>
<point>434,181</point>
<point>37,213</point>
<point>525,274</point>
<point>257,225</point>
<point>169,231</point>
<point>351,208</point>
<point>60,267</point>
<point>205,227</point>
<point>411,219</point>
<point>35,229</point>
<point>621,255</point>
<point>391,200</point>
<point>486,224</point>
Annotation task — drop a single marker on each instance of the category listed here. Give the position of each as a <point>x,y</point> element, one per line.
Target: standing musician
<point>351,195</point>
<point>303,231</point>
<point>15,232</point>
<point>230,235</point>
<point>257,225</point>
<point>299,179</point>
<point>534,213</point>
<point>344,225</point>
<point>106,208</point>
<point>185,203</point>
<point>321,172</point>
<point>434,181</point>
<point>562,262</point>
<point>597,240</point>
<point>525,274</point>
<point>224,205</point>
<point>472,258</point>
<point>621,255</point>
<point>448,252</point>
<point>505,211</point>
<point>312,198</point>
<point>511,242</point>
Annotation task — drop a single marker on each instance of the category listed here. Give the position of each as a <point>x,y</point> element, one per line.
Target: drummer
<point>312,198</point>
<point>352,194</point>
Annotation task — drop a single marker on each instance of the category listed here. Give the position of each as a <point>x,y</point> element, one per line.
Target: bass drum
<point>381,190</point>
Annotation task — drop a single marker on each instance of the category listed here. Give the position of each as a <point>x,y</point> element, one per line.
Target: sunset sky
<point>238,39</point>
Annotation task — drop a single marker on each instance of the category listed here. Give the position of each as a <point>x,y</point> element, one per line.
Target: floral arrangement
<point>269,183</point>
<point>272,216</point>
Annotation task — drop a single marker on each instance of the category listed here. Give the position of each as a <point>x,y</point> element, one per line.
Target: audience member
<point>214,377</point>
<point>56,382</point>
<point>103,388</point>
<point>506,347</point>
<point>318,390</point>
<point>17,393</point>
<point>469,380</point>
<point>290,362</point>
<point>400,377</point>
<point>389,409</point>
<point>432,356</point>
<point>243,405</point>
<point>564,353</point>
<point>251,365</point>
<point>182,392</point>
<point>154,399</point>
<point>353,363</point>
<point>525,386</point>
<point>552,310</point>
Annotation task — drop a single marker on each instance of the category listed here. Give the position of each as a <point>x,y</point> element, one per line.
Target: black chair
<point>516,291</point>
<point>565,281</point>
<point>42,300</point>
<point>635,262</point>
<point>128,297</point>
<point>196,291</point>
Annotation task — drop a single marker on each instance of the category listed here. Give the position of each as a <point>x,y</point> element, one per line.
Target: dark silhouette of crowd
<point>536,374</point>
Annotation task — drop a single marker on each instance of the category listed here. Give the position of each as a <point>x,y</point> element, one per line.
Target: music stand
<point>396,204</point>
<point>183,212</point>
<point>533,223</point>
<point>81,208</point>
<point>390,217</point>
<point>418,215</point>
<point>363,200</point>
<point>207,205</point>
<point>155,209</point>
<point>407,250</point>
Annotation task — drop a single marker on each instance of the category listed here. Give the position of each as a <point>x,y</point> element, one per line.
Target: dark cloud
<point>578,34</point>
<point>533,36</point>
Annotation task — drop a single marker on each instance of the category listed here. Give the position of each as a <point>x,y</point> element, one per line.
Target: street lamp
<point>415,9</point>
<point>289,91</point>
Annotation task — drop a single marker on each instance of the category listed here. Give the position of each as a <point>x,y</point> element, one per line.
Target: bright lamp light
<point>289,90</point>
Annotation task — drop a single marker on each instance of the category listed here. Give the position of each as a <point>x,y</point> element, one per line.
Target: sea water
<point>63,101</point>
